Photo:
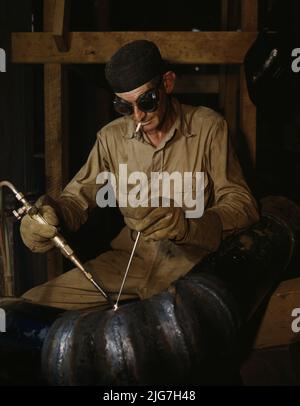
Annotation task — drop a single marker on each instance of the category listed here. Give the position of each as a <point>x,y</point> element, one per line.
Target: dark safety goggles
<point>146,102</point>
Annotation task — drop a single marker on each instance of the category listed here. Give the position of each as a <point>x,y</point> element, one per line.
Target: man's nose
<point>138,114</point>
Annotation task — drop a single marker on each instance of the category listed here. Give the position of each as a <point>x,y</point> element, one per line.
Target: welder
<point>155,133</point>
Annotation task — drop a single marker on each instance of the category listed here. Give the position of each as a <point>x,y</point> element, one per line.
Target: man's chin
<point>149,126</point>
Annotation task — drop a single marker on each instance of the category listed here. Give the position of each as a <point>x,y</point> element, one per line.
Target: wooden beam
<point>55,134</point>
<point>247,108</point>
<point>230,15</point>
<point>231,101</point>
<point>249,15</point>
<point>229,75</point>
<point>55,148</point>
<point>97,47</point>
<point>48,15</point>
<point>60,25</point>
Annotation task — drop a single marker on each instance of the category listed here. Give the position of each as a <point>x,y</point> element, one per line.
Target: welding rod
<point>126,272</point>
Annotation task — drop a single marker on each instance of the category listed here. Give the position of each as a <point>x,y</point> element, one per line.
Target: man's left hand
<point>157,223</point>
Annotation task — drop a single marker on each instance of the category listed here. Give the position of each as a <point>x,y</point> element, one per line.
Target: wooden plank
<point>229,75</point>
<point>97,47</point>
<point>55,159</point>
<point>276,326</point>
<point>249,15</point>
<point>224,14</point>
<point>230,15</point>
<point>222,75</point>
<point>48,15</point>
<point>231,100</point>
<point>55,146</point>
<point>59,16</point>
<point>55,137</point>
<point>60,25</point>
<point>247,108</point>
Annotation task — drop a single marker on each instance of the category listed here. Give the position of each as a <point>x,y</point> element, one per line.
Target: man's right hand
<point>36,236</point>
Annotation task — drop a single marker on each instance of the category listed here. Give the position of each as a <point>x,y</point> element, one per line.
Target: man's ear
<point>169,81</point>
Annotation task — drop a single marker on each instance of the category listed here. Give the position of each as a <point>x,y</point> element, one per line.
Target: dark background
<point>22,117</point>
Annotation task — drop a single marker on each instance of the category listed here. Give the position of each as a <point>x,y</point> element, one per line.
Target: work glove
<point>157,223</point>
<point>36,236</point>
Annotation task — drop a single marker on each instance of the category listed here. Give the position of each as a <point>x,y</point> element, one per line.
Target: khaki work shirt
<point>197,142</point>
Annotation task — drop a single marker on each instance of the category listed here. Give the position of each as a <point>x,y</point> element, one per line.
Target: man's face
<point>151,121</point>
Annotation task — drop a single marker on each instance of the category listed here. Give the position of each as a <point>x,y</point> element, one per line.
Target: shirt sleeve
<point>233,208</point>
<point>79,196</point>
<point>233,201</point>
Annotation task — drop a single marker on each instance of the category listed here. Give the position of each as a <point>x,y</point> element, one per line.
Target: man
<point>155,135</point>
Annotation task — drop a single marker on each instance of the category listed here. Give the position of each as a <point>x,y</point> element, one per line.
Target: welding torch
<point>58,239</point>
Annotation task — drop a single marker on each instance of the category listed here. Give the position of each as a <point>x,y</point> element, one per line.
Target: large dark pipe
<point>187,334</point>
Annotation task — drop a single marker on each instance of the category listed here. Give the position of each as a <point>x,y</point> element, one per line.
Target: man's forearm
<point>70,214</point>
